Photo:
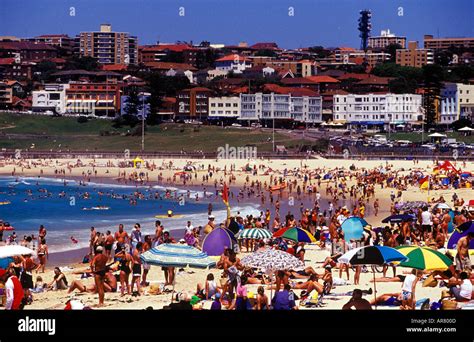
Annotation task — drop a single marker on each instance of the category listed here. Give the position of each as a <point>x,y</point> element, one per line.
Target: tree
<point>43,71</point>
<point>82,63</point>
<point>132,106</point>
<point>392,50</point>
<point>266,53</point>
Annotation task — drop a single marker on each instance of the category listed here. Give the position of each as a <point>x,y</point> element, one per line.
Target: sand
<point>188,279</point>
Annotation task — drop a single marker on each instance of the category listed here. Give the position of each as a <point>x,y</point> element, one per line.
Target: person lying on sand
<point>110,284</point>
<point>398,279</point>
<point>387,299</point>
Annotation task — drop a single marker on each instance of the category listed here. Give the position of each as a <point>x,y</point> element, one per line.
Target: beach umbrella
<point>410,205</point>
<point>353,228</point>
<point>466,129</point>
<point>177,255</point>
<point>4,262</point>
<point>270,260</point>
<point>255,233</point>
<point>465,226</point>
<point>217,241</point>
<point>424,258</point>
<point>398,218</point>
<point>15,250</point>
<point>295,234</point>
<point>442,206</point>
<point>372,255</point>
<point>461,231</point>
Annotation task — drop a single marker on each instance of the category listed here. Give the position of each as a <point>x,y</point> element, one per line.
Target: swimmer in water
<point>74,240</point>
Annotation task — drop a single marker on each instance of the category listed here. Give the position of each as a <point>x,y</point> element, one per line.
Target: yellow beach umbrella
<point>424,258</point>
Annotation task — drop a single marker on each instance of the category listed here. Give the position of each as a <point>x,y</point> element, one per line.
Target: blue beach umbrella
<point>353,228</point>
<point>398,218</point>
<point>177,255</point>
<point>372,255</point>
<point>461,231</point>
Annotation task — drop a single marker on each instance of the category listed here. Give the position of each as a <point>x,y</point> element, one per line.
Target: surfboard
<point>166,216</point>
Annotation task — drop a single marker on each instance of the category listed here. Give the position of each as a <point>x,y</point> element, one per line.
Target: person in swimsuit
<point>99,268</point>
<point>59,282</point>
<point>137,267</point>
<point>108,244</point>
<point>262,299</point>
<point>27,276</point>
<point>42,255</point>
<point>17,266</point>
<point>122,238</point>
<point>125,270</point>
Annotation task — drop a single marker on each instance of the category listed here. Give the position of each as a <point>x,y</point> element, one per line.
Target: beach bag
<point>86,259</point>
<point>430,282</point>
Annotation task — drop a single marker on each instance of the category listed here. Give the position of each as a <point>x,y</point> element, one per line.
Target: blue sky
<point>315,22</point>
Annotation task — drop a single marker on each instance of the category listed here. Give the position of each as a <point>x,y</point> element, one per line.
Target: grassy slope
<point>66,133</point>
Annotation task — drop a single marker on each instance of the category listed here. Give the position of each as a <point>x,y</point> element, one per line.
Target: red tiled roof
<point>25,46</point>
<point>7,61</point>
<point>265,46</point>
<point>322,79</point>
<point>53,35</point>
<point>169,65</point>
<point>197,89</point>
<point>335,92</point>
<point>345,48</point>
<point>232,57</point>
<point>164,47</point>
<point>352,75</point>
<point>240,90</point>
<point>289,90</point>
<point>375,80</point>
<point>298,80</point>
<point>114,67</point>
<point>56,60</point>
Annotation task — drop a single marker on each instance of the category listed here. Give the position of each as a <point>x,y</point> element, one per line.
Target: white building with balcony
<point>224,107</point>
<point>378,110</point>
<point>457,101</point>
<point>259,106</point>
<point>52,98</point>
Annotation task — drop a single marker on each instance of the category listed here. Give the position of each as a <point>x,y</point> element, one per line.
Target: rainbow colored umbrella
<point>424,258</point>
<point>295,234</point>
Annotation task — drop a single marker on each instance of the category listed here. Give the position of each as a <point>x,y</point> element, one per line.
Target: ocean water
<point>58,205</point>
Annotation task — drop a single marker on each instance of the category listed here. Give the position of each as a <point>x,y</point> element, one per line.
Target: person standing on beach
<point>463,260</point>
<point>91,241</point>
<point>42,255</point>
<point>109,242</point>
<point>125,269</point>
<point>158,233</point>
<point>13,289</point>
<point>137,267</point>
<point>122,238</point>
<point>136,235</point>
<point>146,267</point>
<point>99,268</point>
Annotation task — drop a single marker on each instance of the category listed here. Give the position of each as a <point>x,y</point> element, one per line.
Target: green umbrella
<point>424,258</point>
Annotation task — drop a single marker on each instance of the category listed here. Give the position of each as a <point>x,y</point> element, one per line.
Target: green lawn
<point>63,133</point>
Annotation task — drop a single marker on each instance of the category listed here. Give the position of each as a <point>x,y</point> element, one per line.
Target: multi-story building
<point>51,98</point>
<point>353,56</point>
<point>283,107</point>
<point>109,47</point>
<point>446,43</point>
<point>235,63</point>
<point>14,68</point>
<point>414,56</point>
<point>96,99</point>
<point>385,39</point>
<point>378,110</point>
<point>64,44</point>
<point>27,51</point>
<point>156,53</point>
<point>224,107</point>
<point>457,101</point>
<point>299,68</point>
<point>193,103</point>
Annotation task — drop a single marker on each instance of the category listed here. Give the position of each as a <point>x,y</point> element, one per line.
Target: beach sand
<point>188,279</point>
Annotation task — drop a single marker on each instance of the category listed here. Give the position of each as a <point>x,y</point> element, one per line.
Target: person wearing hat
<point>210,225</point>
<point>99,268</point>
<point>216,304</point>
<point>13,289</point>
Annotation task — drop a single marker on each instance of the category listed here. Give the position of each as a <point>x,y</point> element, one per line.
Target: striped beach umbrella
<point>372,255</point>
<point>271,260</point>
<point>295,234</point>
<point>424,258</point>
<point>255,233</point>
<point>177,255</point>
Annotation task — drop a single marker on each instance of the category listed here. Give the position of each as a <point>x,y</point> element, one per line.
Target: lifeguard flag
<point>424,182</point>
<point>225,195</point>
